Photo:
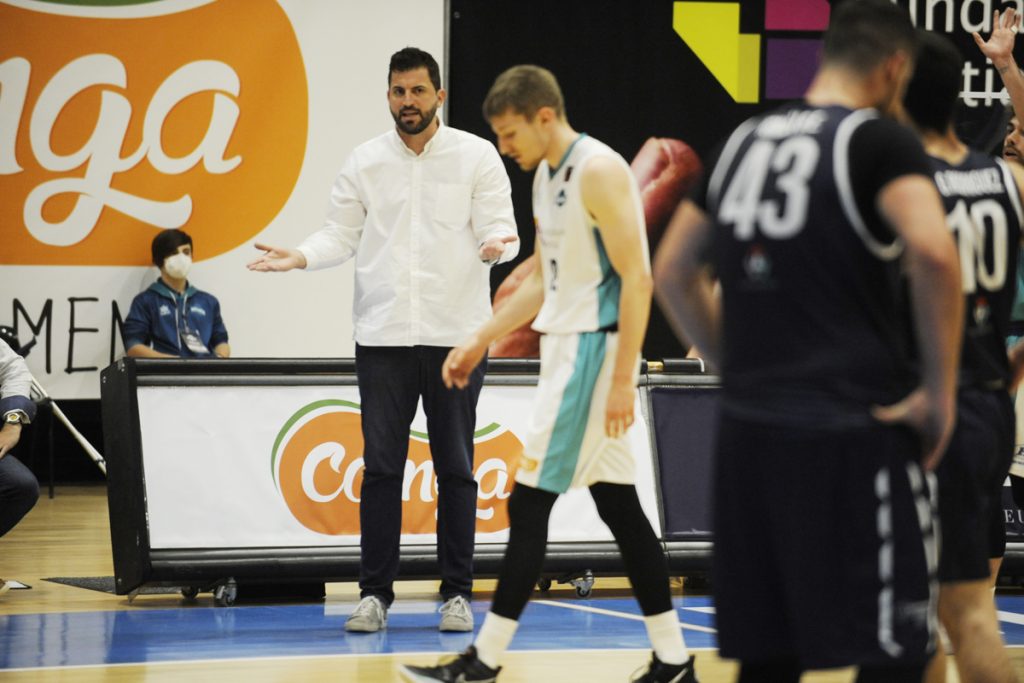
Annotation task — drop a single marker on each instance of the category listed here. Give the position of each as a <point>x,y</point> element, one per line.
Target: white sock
<point>667,637</point>
<point>494,638</point>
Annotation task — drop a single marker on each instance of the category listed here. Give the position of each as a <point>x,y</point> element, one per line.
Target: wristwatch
<point>13,417</point>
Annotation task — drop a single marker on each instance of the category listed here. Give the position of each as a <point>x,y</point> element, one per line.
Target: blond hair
<point>524,89</point>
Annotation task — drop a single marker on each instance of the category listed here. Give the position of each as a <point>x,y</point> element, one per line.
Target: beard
<point>412,128</point>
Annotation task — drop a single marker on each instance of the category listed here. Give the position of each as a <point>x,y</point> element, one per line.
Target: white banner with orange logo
<point>225,118</point>
<point>250,467</point>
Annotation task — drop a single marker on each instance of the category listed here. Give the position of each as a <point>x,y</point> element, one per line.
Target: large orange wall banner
<point>225,118</point>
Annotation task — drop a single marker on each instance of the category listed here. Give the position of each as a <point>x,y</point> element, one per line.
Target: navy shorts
<point>971,477</point>
<point>824,546</point>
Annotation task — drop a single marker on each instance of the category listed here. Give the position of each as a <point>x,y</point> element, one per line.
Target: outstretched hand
<point>492,249</point>
<point>276,259</point>
<point>931,418</point>
<point>999,46</point>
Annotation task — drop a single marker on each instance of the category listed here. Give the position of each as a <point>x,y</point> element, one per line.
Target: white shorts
<point>566,445</point>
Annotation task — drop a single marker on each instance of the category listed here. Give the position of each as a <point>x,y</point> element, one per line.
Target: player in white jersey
<point>579,321</point>
<point>591,295</point>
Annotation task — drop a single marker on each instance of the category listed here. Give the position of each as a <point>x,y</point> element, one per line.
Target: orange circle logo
<point>121,123</point>
<point>317,462</point>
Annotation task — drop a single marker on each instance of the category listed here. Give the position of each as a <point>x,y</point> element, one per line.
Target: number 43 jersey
<point>983,210</point>
<point>814,327</point>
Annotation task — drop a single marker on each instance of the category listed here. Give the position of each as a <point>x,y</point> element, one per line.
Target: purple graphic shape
<point>790,66</point>
<point>796,15</point>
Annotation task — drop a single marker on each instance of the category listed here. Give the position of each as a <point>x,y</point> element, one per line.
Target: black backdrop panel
<point>684,432</point>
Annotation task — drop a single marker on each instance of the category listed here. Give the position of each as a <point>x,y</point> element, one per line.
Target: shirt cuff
<point>18,404</point>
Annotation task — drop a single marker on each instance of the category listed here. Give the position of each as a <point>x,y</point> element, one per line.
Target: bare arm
<point>999,49</point>
<point>683,282</point>
<point>911,205</point>
<point>519,309</point>
<point>609,196</point>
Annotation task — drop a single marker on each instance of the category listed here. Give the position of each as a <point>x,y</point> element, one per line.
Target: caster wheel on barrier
<point>544,585</point>
<point>225,594</point>
<point>189,593</point>
<point>584,585</point>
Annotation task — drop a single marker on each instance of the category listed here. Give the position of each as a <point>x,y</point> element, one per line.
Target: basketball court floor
<point>60,632</point>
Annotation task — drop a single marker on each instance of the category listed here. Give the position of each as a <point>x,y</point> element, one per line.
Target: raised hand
<point>999,46</point>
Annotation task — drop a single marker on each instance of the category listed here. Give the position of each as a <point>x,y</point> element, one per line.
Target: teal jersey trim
<point>571,424</point>
<point>565,155</point>
<point>609,290</point>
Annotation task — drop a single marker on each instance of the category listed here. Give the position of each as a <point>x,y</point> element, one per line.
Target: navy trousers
<point>19,491</point>
<point>391,382</point>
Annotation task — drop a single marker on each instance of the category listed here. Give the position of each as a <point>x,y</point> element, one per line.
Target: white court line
<point>1010,617</point>
<point>612,613</point>
<point>705,610</point>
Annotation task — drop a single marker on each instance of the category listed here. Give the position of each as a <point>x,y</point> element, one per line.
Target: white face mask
<point>178,265</point>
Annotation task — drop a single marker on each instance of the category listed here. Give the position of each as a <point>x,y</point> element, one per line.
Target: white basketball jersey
<point>581,289</point>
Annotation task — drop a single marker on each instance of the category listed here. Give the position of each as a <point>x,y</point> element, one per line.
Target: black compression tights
<point>619,507</point>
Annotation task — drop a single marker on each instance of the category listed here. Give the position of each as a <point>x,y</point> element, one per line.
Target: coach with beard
<point>425,210</point>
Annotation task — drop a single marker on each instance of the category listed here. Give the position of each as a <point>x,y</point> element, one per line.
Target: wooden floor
<point>69,536</point>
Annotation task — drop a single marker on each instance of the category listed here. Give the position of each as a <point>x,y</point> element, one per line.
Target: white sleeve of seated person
<point>15,378</point>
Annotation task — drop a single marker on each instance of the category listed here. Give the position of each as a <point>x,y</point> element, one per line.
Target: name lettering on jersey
<point>568,173</point>
<point>561,199</point>
<point>778,126</point>
<point>973,183</point>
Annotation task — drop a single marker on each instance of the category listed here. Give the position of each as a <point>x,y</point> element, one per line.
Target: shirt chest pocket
<point>453,205</point>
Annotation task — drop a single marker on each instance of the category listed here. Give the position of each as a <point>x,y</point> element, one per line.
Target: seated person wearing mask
<point>173,319</point>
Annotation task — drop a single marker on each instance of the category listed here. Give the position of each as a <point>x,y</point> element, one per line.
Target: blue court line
<point>191,633</point>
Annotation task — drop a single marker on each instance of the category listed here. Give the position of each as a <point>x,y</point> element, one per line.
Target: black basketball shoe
<point>466,668</point>
<point>660,672</point>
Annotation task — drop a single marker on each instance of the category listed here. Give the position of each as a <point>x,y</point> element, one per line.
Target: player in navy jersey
<point>982,198</point>
<point>821,558</point>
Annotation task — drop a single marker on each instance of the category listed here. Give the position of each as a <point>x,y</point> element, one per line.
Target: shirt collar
<point>441,132</point>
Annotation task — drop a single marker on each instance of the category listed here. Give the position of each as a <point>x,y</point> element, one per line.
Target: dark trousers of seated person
<point>391,382</point>
<point>19,491</point>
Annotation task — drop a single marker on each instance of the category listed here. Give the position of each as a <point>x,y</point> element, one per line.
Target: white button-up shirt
<point>415,224</point>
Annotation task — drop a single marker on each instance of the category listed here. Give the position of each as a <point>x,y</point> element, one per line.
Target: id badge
<point>194,343</point>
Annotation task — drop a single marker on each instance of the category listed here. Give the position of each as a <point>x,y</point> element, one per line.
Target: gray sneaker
<point>370,616</point>
<point>456,615</point>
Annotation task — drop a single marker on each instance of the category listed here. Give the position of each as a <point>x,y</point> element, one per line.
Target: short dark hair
<point>166,243</point>
<point>931,95</point>
<point>524,89</point>
<point>863,33</point>
<point>410,58</point>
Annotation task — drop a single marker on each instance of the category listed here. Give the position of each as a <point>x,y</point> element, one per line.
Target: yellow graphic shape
<point>712,31</point>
